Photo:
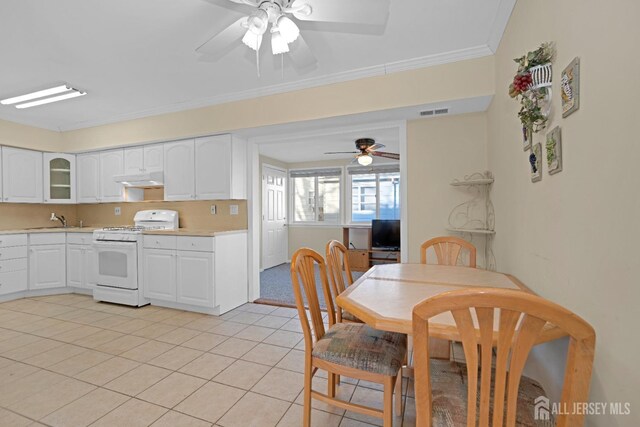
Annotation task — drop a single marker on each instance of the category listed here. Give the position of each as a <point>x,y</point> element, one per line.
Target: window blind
<point>361,170</point>
<point>315,172</point>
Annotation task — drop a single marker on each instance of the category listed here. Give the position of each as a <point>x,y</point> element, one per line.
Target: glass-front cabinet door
<point>59,178</point>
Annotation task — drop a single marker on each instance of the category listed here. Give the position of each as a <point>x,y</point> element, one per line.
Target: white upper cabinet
<point>88,178</point>
<point>21,175</point>
<point>111,164</point>
<point>179,178</point>
<point>133,160</point>
<point>154,158</point>
<point>59,178</point>
<point>144,159</point>
<point>213,167</point>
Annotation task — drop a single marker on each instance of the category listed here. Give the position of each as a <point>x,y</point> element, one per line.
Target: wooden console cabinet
<point>363,259</point>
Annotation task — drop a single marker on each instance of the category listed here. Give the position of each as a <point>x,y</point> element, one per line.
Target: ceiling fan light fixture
<point>365,159</point>
<point>258,22</point>
<point>254,41</point>
<point>288,29</point>
<point>278,43</point>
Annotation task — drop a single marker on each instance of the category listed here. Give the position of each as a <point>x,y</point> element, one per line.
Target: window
<point>375,193</point>
<point>316,195</point>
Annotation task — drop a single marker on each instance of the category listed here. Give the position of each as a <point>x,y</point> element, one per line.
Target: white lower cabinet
<point>184,277</point>
<point>47,266</point>
<point>195,278</point>
<point>81,266</point>
<point>13,264</point>
<point>160,274</point>
<point>206,273</point>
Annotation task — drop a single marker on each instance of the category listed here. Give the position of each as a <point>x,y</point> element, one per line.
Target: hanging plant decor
<point>531,86</point>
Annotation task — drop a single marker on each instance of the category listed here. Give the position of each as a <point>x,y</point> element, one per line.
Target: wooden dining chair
<point>339,270</point>
<point>448,249</point>
<point>504,397</point>
<point>349,349</point>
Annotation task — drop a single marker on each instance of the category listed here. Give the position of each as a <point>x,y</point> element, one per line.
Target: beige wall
<point>458,80</point>
<point>17,135</point>
<point>193,214</point>
<point>315,238</point>
<point>573,237</point>
<point>438,151</point>
<point>17,216</point>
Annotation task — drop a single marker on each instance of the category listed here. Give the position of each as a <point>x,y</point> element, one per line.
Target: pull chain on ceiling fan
<point>285,33</point>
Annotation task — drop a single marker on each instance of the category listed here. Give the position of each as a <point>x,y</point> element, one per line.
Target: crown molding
<point>505,9</point>
<point>374,71</point>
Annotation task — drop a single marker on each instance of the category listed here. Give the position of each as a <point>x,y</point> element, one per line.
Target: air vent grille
<point>436,112</point>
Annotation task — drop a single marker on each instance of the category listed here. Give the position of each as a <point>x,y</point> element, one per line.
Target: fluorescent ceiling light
<point>35,95</point>
<point>62,97</point>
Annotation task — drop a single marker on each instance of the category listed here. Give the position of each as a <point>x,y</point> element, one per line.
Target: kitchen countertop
<point>51,230</point>
<point>193,232</point>
<point>178,232</point>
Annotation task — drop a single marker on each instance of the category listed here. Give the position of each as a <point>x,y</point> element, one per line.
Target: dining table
<point>384,296</point>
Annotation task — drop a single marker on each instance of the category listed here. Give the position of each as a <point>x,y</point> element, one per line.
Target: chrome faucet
<point>59,218</point>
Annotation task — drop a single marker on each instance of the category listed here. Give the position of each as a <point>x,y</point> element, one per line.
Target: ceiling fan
<point>367,148</point>
<point>285,34</point>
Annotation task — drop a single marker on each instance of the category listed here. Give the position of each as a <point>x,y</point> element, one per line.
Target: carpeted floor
<point>275,285</point>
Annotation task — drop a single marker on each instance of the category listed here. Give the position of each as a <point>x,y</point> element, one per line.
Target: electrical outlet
<point>213,209</point>
<point>233,209</point>
<point>117,211</point>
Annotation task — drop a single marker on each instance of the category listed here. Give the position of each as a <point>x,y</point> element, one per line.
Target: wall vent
<point>427,113</point>
<point>436,112</point>
<point>441,111</point>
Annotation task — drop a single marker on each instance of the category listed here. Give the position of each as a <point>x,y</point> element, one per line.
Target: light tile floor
<point>66,360</point>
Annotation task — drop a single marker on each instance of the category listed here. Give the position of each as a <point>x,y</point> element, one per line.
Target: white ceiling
<point>136,58</point>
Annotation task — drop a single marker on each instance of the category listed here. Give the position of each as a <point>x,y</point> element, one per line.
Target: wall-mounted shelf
<point>484,181</point>
<point>470,230</point>
<point>60,186</point>
<point>61,170</point>
<point>476,216</point>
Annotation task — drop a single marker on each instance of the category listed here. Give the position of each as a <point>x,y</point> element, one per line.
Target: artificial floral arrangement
<point>529,90</point>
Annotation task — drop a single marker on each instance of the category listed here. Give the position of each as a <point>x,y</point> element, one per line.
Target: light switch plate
<point>233,209</point>
<point>117,211</point>
<point>213,210</point>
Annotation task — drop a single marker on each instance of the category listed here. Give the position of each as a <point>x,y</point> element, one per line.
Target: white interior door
<point>274,221</point>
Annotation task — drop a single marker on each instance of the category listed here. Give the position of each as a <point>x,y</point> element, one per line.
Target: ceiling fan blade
<point>375,147</point>
<point>301,54</point>
<point>342,152</point>
<point>247,2</point>
<point>394,156</point>
<point>371,12</point>
<point>225,40</point>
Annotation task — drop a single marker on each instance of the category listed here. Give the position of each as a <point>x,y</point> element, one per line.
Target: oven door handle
<point>103,244</point>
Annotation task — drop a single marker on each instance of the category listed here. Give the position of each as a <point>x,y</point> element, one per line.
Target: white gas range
<point>119,257</point>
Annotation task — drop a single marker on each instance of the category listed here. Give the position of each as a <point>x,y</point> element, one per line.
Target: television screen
<point>385,234</point>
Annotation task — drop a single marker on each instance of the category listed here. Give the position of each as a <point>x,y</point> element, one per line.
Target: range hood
<point>147,179</point>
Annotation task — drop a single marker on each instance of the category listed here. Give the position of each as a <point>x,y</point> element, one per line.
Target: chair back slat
<point>508,321</point>
<point>485,325</point>
<point>522,319</point>
<point>338,267</point>
<point>448,250</point>
<point>464,323</point>
<point>526,336</point>
<point>303,277</point>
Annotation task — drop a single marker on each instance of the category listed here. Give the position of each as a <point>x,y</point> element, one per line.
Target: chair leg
<point>307,395</point>
<point>399,393</point>
<point>331,391</point>
<point>387,417</point>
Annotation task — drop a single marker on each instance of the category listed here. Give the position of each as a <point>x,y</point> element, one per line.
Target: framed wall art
<point>535,160</point>
<point>554,151</point>
<point>527,136</point>
<point>570,85</point>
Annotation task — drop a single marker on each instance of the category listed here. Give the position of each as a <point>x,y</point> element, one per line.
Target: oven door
<point>117,264</point>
